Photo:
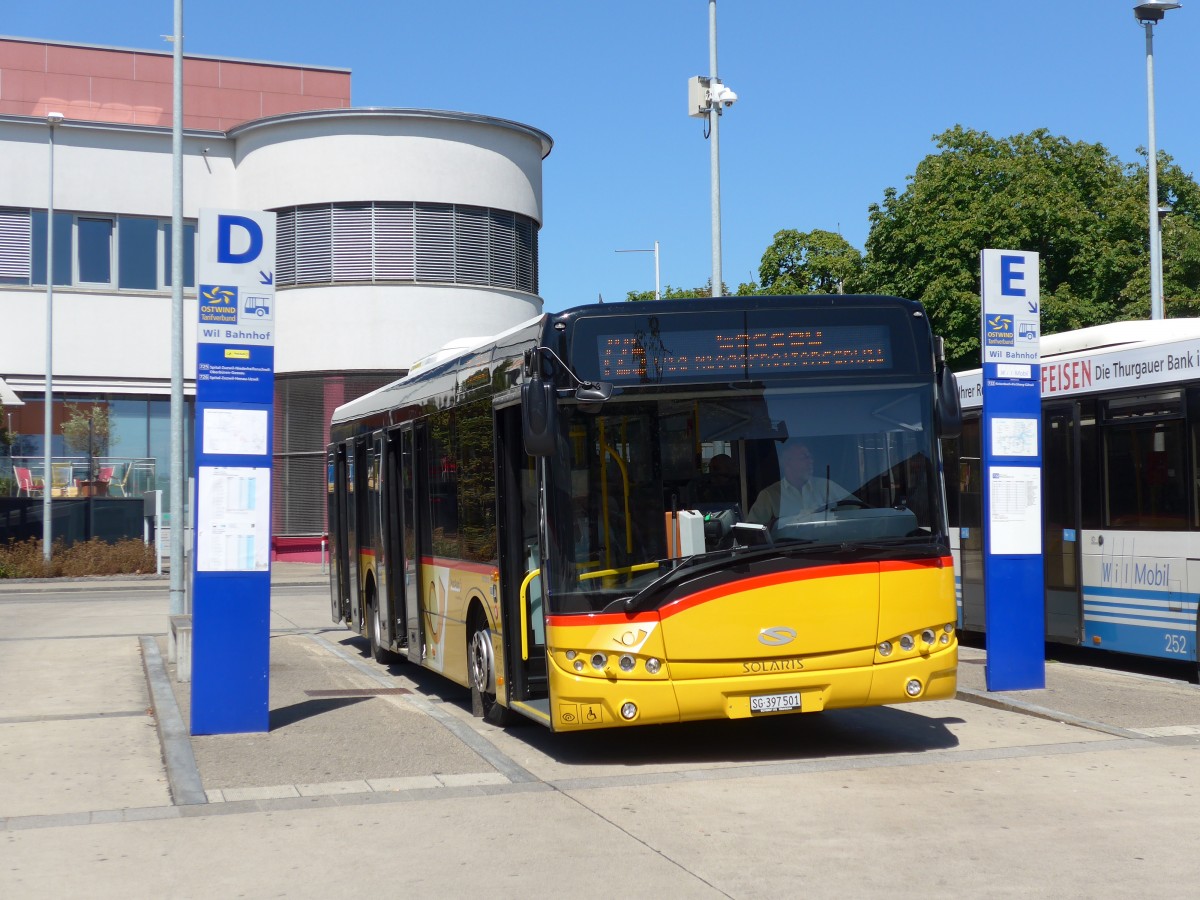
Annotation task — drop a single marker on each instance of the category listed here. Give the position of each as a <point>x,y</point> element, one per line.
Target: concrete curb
<point>1042,712</point>
<point>182,772</point>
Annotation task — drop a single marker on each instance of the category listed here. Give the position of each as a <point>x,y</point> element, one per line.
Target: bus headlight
<point>913,688</point>
<point>927,636</point>
<point>907,643</point>
<point>579,665</point>
<point>628,711</point>
<point>626,662</point>
<point>598,660</point>
<point>885,648</point>
<point>653,665</point>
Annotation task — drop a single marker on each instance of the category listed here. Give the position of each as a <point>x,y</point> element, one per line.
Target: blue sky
<point>837,100</point>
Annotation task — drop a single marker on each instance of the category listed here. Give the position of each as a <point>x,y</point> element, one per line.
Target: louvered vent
<point>504,249</point>
<point>314,244</point>
<point>416,242</point>
<point>526,255</point>
<point>395,242</point>
<point>353,236</point>
<point>471,256</point>
<point>14,245</point>
<point>435,242</point>
<point>285,247</point>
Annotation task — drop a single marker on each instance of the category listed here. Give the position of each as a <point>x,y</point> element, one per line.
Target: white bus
<point>1120,489</point>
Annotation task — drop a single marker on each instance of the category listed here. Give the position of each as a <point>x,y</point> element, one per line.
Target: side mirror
<point>539,417</point>
<point>948,411</point>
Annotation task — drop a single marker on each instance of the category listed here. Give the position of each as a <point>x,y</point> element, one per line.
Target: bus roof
<point>441,365</point>
<point>445,361</point>
<point>1117,334</point>
<point>1116,356</point>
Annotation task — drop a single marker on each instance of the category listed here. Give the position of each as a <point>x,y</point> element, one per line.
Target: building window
<point>137,263</point>
<point>189,254</point>
<point>93,251</point>
<point>62,247</point>
<point>433,243</point>
<point>130,253</point>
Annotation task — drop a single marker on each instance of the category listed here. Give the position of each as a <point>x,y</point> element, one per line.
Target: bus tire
<point>482,665</point>
<point>379,651</point>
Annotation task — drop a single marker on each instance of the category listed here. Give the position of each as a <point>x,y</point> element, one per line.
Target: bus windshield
<point>787,467</point>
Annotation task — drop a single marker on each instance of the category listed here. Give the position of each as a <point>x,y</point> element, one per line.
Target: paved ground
<point>377,779</point>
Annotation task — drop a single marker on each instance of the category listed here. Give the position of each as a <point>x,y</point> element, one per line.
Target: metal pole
<point>714,116</point>
<point>178,517</point>
<point>657,280</point>
<point>1156,286</point>
<point>52,119</point>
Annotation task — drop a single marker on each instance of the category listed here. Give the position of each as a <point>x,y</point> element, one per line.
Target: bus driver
<point>798,492</point>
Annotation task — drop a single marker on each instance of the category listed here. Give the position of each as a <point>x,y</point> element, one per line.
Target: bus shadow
<point>876,731</point>
<point>429,684</point>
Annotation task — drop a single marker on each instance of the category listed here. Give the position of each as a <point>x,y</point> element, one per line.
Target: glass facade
<point>127,445</point>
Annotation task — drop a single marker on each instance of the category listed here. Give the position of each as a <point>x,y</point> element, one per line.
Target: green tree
<point>88,430</point>
<point>809,262</point>
<point>670,292</point>
<point>1077,205</point>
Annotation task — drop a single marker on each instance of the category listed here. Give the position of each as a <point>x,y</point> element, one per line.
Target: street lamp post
<point>657,281</point>
<point>1148,14</point>
<point>707,98</point>
<point>52,119</point>
<point>177,599</point>
<point>714,118</point>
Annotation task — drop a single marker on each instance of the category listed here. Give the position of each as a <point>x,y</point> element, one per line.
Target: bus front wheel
<point>483,675</point>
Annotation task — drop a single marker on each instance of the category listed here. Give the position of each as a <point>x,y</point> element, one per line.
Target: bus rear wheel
<point>482,664</point>
<point>379,651</point>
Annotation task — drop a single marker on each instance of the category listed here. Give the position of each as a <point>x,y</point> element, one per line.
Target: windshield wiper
<point>718,559</point>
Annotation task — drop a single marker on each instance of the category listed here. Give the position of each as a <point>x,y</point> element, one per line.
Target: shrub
<point>94,557</point>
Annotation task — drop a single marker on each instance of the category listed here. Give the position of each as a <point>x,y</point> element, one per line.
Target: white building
<point>398,230</point>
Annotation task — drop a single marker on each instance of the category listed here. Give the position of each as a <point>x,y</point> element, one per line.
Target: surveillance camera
<point>727,97</point>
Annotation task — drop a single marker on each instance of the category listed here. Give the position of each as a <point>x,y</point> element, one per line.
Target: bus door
<point>522,610</point>
<point>413,450</point>
<point>1061,522</point>
<point>391,596</point>
<point>339,586</point>
<point>358,537</point>
<point>970,522</point>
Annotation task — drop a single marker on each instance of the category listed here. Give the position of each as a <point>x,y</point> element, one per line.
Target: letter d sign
<point>249,234</point>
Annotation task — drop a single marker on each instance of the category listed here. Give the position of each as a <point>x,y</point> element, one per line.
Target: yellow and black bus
<point>659,512</point>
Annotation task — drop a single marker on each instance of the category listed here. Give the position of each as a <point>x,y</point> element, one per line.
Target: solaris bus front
<point>742,510</point>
